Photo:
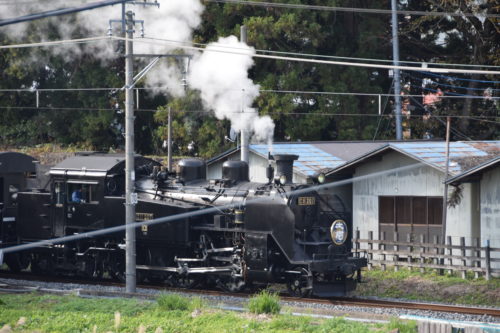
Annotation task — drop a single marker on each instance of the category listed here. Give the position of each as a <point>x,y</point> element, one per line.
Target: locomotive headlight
<point>282,179</point>
<point>338,232</point>
<point>321,178</point>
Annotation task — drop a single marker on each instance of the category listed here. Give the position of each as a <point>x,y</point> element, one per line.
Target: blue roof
<point>463,155</point>
<point>311,159</point>
<point>328,156</point>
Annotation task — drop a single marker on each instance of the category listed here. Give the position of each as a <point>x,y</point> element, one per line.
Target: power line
<point>327,56</point>
<point>324,62</point>
<point>350,9</point>
<point>242,52</point>
<point>457,78</point>
<point>453,86</point>
<point>297,92</point>
<point>55,43</point>
<point>330,114</point>
<point>62,11</point>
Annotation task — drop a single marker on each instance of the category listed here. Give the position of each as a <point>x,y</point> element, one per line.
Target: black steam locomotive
<point>274,232</point>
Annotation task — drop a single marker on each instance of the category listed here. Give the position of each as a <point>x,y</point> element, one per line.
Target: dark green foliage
<point>90,120</point>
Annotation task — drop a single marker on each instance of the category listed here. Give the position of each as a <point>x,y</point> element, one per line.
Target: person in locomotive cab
<point>76,196</point>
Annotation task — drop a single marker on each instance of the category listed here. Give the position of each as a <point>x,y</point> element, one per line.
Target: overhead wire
<point>452,86</point>
<point>324,56</point>
<point>53,108</point>
<point>54,43</point>
<point>236,51</point>
<point>351,9</point>
<point>296,92</point>
<point>217,49</point>
<point>452,78</point>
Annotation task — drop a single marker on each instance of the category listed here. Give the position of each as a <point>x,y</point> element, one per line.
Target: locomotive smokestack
<point>284,166</point>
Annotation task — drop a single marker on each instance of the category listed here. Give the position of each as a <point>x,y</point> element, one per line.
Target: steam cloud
<point>221,78</point>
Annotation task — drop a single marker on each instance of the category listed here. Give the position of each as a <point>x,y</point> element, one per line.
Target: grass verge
<point>265,302</point>
<point>48,313</point>
<point>430,286</point>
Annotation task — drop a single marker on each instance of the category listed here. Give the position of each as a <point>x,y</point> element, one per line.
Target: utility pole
<point>244,134</point>
<point>397,82</point>
<point>169,139</point>
<point>130,196</point>
<point>447,170</point>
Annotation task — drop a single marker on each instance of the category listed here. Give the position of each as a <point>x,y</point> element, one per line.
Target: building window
<point>406,210</point>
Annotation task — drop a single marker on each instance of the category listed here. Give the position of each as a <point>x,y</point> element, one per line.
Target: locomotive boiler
<point>252,233</point>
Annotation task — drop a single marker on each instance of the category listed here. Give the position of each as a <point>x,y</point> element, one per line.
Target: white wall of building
<point>490,210</point>
<point>422,180</point>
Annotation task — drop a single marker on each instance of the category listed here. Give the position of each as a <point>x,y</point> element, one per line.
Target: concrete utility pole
<point>244,134</point>
<point>130,196</point>
<point>169,140</point>
<point>447,171</point>
<point>397,82</point>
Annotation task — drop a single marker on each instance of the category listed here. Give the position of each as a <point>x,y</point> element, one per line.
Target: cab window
<point>83,193</point>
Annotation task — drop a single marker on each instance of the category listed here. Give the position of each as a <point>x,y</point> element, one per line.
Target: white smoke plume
<point>222,79</point>
<point>173,20</point>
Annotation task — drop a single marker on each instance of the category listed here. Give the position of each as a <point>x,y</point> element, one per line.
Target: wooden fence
<point>423,255</point>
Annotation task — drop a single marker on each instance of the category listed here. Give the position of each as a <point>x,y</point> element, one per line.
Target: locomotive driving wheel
<point>300,284</point>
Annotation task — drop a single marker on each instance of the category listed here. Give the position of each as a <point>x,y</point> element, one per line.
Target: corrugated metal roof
<point>311,159</point>
<point>348,151</point>
<point>463,155</point>
<point>476,170</point>
<point>320,156</point>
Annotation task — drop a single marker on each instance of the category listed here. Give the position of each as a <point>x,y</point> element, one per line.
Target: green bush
<point>171,302</point>
<point>265,302</point>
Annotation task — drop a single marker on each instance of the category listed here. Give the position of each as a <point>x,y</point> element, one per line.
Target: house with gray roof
<point>399,187</point>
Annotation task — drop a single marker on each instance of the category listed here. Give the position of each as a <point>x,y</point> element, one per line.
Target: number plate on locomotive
<point>306,201</point>
<point>139,217</point>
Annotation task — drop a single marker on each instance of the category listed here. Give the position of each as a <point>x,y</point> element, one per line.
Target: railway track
<point>341,301</point>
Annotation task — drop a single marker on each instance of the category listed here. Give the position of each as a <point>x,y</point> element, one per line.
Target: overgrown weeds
<point>172,302</point>
<point>430,286</point>
<point>265,302</point>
